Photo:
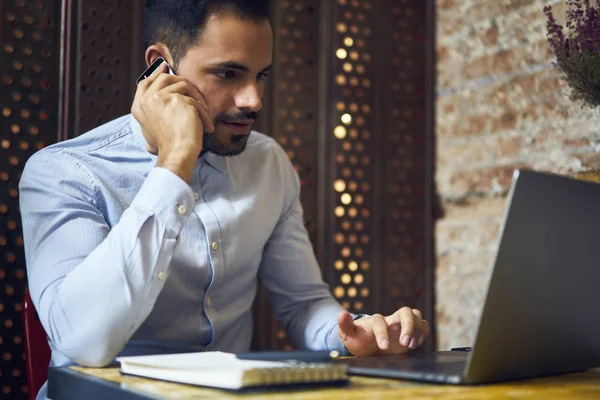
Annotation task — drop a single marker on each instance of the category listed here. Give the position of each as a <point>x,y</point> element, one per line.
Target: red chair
<point>37,351</point>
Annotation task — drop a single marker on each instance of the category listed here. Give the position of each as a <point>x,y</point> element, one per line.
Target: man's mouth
<point>239,127</point>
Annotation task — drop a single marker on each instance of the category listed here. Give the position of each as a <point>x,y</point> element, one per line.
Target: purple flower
<point>576,46</point>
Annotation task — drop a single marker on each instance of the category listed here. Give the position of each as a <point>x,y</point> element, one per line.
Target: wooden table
<point>109,384</point>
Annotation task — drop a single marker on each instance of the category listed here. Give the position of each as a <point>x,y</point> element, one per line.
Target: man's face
<point>229,64</point>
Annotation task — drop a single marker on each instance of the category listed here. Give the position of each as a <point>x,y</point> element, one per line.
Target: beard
<point>235,144</point>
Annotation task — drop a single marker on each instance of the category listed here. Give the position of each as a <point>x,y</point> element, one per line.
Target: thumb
<point>346,325</point>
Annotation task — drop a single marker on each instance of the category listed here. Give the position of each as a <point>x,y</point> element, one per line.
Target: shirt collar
<point>216,161</point>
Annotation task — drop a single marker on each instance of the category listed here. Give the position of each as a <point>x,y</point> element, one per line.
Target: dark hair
<point>178,23</point>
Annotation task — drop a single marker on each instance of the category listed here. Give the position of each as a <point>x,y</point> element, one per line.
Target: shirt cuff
<point>168,197</point>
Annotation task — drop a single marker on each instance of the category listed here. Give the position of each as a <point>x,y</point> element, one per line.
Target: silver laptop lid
<point>541,314</point>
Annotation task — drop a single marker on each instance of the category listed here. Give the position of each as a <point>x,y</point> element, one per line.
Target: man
<point>148,234</point>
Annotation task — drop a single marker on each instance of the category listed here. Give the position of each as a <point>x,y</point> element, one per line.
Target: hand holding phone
<point>152,68</point>
<point>173,116</point>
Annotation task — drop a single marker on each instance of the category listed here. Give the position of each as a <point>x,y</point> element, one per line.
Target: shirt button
<point>196,196</point>
<point>162,275</point>
<point>208,301</point>
<point>214,245</point>
<point>181,209</point>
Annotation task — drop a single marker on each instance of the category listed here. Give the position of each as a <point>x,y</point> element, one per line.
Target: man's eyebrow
<point>230,65</point>
<point>266,69</point>
<point>236,66</point>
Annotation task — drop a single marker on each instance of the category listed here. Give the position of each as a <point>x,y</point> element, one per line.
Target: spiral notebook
<point>225,371</point>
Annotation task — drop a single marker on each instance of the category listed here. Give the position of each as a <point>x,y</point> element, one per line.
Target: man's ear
<point>158,50</point>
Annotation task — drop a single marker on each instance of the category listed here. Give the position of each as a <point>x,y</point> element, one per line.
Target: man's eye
<point>226,74</point>
<point>262,75</point>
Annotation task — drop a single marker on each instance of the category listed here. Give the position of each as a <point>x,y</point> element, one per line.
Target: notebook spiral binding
<point>296,374</point>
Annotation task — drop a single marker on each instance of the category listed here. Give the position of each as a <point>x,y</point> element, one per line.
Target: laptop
<point>541,314</point>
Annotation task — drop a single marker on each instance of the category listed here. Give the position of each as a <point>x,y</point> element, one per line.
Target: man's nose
<point>249,98</point>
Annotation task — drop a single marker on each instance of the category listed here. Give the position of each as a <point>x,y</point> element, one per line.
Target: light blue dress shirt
<point>125,258</point>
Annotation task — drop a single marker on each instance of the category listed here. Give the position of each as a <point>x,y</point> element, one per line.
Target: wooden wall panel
<point>369,205</point>
<point>29,89</point>
<point>103,58</point>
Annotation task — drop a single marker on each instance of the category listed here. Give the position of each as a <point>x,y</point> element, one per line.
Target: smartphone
<point>153,67</point>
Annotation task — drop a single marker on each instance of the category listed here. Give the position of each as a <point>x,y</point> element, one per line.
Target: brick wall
<point>500,105</point>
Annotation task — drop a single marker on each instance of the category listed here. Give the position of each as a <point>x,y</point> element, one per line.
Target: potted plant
<point>576,46</point>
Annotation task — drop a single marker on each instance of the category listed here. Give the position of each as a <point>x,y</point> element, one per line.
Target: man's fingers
<point>418,330</point>
<point>424,333</point>
<point>207,122</point>
<point>143,86</point>
<point>162,81</point>
<point>149,86</point>
<point>346,325</point>
<point>380,330</point>
<point>193,92</point>
<point>177,84</point>
<point>146,83</point>
<point>186,88</point>
<point>407,322</point>
<point>417,313</point>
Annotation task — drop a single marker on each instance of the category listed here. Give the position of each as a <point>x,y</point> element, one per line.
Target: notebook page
<point>197,361</point>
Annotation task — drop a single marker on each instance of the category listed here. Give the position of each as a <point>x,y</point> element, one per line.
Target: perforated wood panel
<point>407,183</point>
<point>296,93</point>
<point>354,148</point>
<point>381,97</point>
<point>106,58</point>
<point>295,105</point>
<point>28,122</point>
<point>100,39</point>
<point>371,197</point>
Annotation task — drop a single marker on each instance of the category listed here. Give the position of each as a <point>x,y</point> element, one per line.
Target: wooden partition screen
<point>352,103</point>
<point>30,50</point>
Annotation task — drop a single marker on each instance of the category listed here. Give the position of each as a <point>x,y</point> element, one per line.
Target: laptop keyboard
<point>431,368</point>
